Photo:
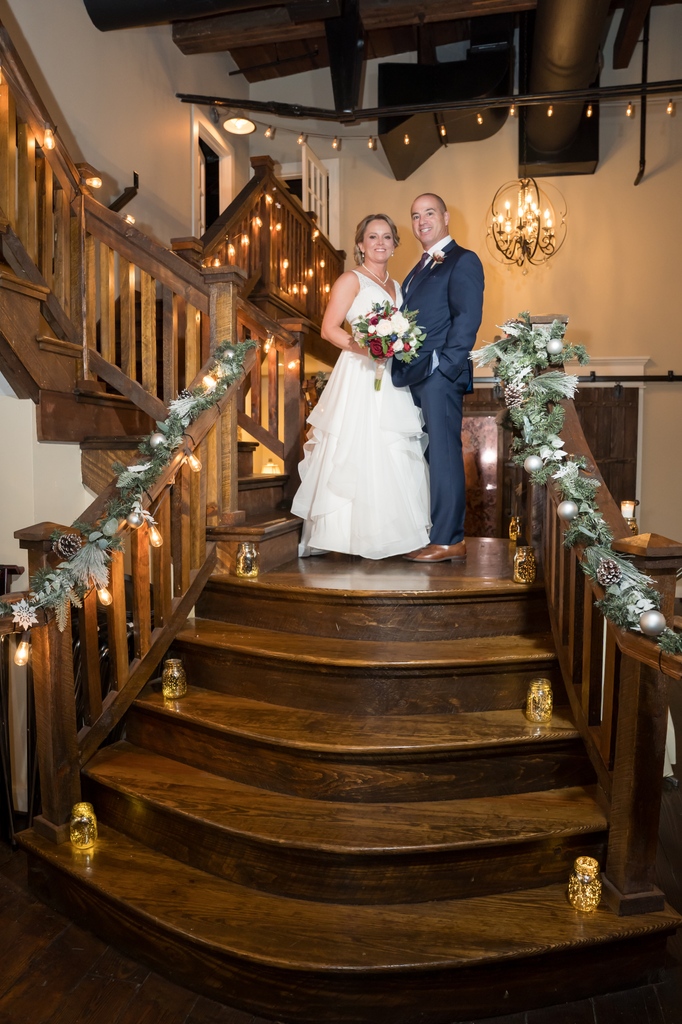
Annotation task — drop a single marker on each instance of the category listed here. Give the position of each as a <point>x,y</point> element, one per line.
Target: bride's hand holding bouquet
<point>385,331</point>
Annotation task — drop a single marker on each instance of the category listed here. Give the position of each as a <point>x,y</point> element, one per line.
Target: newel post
<point>640,748</point>
<point>55,704</point>
<point>224,284</point>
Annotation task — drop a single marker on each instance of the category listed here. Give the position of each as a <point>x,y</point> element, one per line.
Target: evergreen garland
<point>88,567</point>
<point>523,360</point>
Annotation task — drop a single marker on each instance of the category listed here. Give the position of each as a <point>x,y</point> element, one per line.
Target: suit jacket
<point>449,298</point>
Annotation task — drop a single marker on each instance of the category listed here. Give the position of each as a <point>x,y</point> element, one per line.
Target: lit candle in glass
<point>627,509</point>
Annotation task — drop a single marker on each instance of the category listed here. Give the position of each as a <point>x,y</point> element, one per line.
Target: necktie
<point>419,267</point>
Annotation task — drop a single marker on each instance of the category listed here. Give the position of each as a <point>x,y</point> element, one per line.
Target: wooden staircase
<point>348,817</point>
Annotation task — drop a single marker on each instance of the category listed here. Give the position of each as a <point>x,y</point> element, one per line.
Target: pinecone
<point>514,395</point>
<point>185,393</point>
<point>608,572</point>
<point>67,545</point>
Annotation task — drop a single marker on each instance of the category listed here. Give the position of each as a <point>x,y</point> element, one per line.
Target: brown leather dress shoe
<point>440,553</point>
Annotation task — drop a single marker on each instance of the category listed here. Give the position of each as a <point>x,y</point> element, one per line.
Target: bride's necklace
<point>376,276</point>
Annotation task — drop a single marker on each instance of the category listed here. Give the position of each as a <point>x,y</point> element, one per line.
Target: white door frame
<point>202,127</point>
<point>332,166</point>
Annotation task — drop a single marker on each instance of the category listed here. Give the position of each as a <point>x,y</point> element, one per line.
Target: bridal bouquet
<point>385,331</point>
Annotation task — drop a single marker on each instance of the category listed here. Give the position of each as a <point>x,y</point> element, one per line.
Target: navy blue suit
<point>449,297</point>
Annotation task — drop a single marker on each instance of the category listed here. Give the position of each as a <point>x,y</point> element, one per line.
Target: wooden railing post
<point>224,284</point>
<point>658,557</point>
<point>636,793</point>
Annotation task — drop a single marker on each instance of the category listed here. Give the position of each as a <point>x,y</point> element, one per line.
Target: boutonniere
<point>438,257</point>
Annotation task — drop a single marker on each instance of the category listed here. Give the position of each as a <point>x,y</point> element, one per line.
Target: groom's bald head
<point>440,203</point>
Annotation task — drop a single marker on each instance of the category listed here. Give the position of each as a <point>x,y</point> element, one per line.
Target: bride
<point>364,481</point>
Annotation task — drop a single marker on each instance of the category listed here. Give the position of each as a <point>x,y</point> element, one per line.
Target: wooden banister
<point>617,684</point>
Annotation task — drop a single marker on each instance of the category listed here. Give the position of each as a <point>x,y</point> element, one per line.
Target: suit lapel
<point>420,279</point>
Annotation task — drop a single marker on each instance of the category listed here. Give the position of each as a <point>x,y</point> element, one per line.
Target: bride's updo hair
<point>362,227</point>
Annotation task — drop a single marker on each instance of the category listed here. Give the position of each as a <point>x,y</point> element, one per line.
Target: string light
<point>48,139</point>
<point>104,597</point>
<point>278,226</point>
<point>193,462</point>
<point>129,219</point>
<point>479,118</point>
<point>209,382</point>
<point>406,139</point>
<point>512,110</point>
<point>270,132</point>
<point>670,109</point>
<point>336,144</point>
<point>155,538</point>
<point>310,272</point>
<point>22,651</point>
<point>230,251</point>
<point>550,111</point>
<point>327,288</point>
<point>302,138</point>
<point>285,264</point>
<point>588,112</point>
<point>322,263</point>
<point>371,143</point>
<point>245,239</point>
<point>215,262</point>
<point>443,131</point>
<point>316,233</point>
<point>257,222</point>
<point>630,112</point>
<point>268,199</point>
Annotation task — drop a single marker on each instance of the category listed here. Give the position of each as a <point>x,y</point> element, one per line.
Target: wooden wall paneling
<point>126,271</point>
<point>212,476</point>
<point>169,337</point>
<point>180,530</point>
<point>273,390</point>
<point>89,644</point>
<point>90,293</point>
<point>8,155</point>
<point>142,616</point>
<point>148,332</point>
<point>116,621</point>
<point>161,566</point>
<point>107,304</point>
<point>26,191</point>
<point>57,742</point>
<point>593,639</point>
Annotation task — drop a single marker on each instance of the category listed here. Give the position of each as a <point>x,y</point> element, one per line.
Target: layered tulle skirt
<point>364,481</point>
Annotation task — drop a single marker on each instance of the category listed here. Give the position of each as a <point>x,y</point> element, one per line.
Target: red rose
<point>374,320</point>
<point>375,347</point>
<point>406,347</point>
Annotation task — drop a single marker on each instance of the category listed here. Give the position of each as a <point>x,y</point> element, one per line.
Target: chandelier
<point>526,223</point>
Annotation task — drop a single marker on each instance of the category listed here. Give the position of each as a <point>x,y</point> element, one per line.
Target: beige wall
<point>616,275</point>
<point>112,96</point>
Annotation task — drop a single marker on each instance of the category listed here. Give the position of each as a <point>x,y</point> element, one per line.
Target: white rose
<point>400,323</point>
<point>397,346</point>
<point>385,328</point>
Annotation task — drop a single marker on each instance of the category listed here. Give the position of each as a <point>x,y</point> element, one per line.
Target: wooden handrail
<point>616,684</point>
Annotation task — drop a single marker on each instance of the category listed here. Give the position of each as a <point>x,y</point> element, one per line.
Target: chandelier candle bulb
<point>539,701</point>
<point>83,826</point>
<point>173,679</point>
<point>246,565</point>
<point>584,885</point>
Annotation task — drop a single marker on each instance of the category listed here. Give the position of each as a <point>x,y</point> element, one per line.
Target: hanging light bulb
<point>48,139</point>
<point>327,288</point>
<point>479,118</point>
<point>336,144</point>
<point>209,382</point>
<point>285,264</point>
<point>22,651</point>
<point>321,264</point>
<point>302,138</point>
<point>588,112</point>
<point>193,462</point>
<point>670,109</point>
<point>550,111</point>
<point>512,110</point>
<point>310,271</point>
<point>245,239</point>
<point>129,219</point>
<point>442,131</point>
<point>316,234</point>
<point>268,199</point>
<point>630,111</point>
<point>104,597</point>
<point>269,132</point>
<point>371,142</point>
<point>230,251</point>
<point>215,262</point>
<point>155,538</point>
<point>406,139</point>
<point>257,222</point>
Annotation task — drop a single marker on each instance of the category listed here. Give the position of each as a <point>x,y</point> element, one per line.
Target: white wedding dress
<point>364,480</point>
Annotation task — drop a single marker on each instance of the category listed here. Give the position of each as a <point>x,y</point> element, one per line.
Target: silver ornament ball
<point>555,346</point>
<point>533,463</point>
<point>652,623</point>
<point>229,353</point>
<point>567,510</point>
<point>135,519</point>
<point>156,439</point>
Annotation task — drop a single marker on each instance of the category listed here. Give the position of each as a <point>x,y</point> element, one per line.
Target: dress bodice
<point>370,292</point>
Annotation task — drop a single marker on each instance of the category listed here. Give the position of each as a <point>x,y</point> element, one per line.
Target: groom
<point>446,287</point>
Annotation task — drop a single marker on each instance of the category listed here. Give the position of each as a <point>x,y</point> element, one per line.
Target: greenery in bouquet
<point>385,331</point>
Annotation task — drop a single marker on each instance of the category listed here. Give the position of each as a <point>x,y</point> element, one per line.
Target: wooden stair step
<point>360,759</point>
<point>367,676</point>
<point>275,956</point>
<point>275,532</point>
<point>336,596</point>
<point>346,852</point>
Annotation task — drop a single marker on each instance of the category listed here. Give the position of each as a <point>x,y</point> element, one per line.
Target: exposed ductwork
<point>568,34</point>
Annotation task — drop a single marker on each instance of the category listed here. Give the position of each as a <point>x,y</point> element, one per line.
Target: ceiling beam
<point>278,24</point>
<point>346,47</point>
<point>629,30</point>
